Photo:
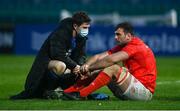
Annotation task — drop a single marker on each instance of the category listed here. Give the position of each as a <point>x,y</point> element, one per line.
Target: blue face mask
<point>84,32</point>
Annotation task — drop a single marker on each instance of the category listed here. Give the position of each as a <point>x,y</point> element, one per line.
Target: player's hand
<point>82,77</point>
<point>84,69</point>
<point>76,70</point>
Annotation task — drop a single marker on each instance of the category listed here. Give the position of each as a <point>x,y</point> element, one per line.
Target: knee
<point>57,67</point>
<point>112,70</point>
<point>122,75</point>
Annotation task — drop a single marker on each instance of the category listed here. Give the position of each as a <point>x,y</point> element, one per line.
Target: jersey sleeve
<point>114,49</point>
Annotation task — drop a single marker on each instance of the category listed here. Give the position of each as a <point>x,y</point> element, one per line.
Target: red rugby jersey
<point>141,63</point>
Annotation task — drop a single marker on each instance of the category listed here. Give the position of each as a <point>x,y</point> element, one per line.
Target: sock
<point>80,84</point>
<point>101,80</point>
<point>73,88</point>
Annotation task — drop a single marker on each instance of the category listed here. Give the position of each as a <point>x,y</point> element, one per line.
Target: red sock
<point>80,84</point>
<point>101,80</point>
<point>73,88</point>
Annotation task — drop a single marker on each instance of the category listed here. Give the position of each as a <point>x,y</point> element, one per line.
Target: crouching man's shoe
<point>73,96</point>
<point>53,94</point>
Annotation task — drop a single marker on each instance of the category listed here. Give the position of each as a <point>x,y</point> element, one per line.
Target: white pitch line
<point>168,82</point>
<point>178,81</point>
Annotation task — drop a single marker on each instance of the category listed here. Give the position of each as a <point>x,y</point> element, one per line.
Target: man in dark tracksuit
<point>58,53</point>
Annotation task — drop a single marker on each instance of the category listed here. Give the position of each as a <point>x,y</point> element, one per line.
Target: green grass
<point>14,69</point>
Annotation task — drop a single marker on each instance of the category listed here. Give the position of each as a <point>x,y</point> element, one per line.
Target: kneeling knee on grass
<point>57,67</point>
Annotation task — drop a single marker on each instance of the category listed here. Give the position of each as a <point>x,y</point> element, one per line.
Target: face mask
<point>84,32</point>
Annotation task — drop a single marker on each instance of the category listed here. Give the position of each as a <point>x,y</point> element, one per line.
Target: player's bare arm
<point>108,61</point>
<point>93,60</point>
<point>96,58</point>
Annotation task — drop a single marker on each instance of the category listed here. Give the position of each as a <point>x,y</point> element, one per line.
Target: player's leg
<point>103,78</point>
<point>81,83</point>
<point>126,86</point>
<point>122,78</point>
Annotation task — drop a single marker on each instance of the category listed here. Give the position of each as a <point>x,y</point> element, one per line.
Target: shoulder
<point>132,47</point>
<point>64,29</point>
<point>136,40</point>
<point>66,20</point>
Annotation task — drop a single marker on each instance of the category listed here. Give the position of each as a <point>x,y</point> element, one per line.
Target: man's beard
<point>120,43</point>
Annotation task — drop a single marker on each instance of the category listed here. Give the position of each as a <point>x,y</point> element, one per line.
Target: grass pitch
<point>14,69</point>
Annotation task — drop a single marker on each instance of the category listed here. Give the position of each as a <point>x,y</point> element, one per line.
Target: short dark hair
<point>80,17</point>
<point>128,28</point>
